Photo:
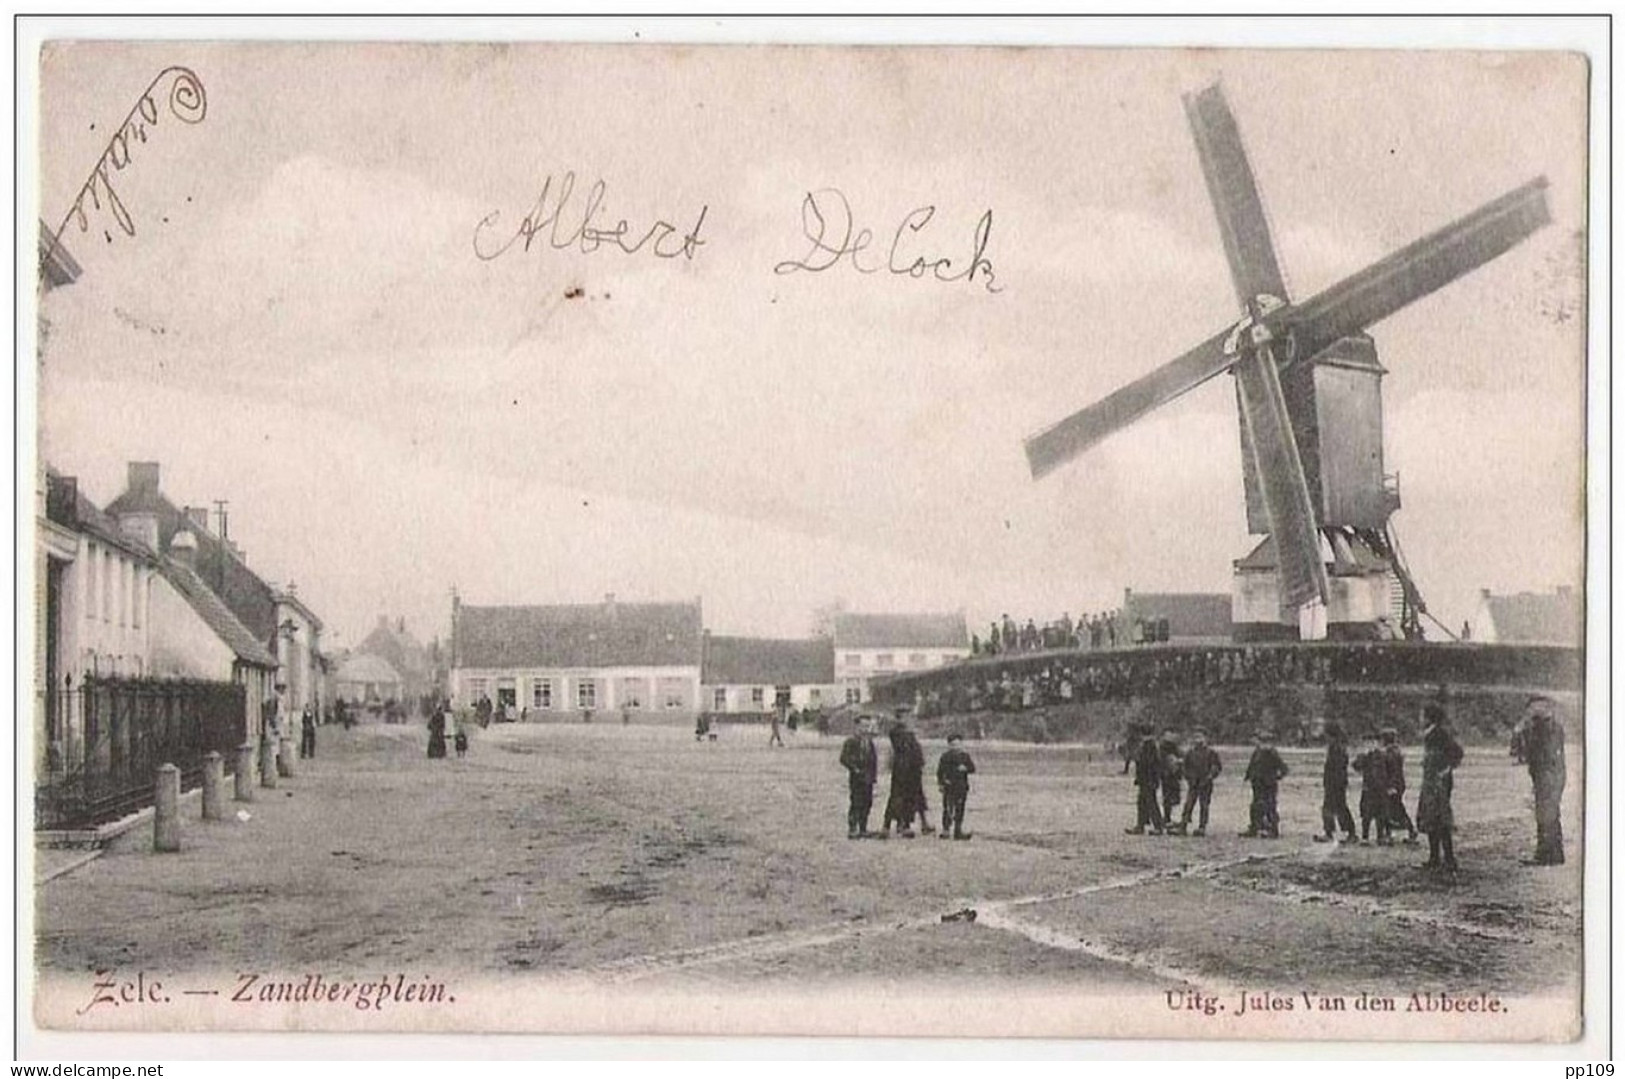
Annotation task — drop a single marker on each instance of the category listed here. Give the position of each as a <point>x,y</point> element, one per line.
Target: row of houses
<point>658,657</point>
<point>144,593</point>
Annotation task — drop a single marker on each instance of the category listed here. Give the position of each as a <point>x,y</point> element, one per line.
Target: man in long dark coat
<point>1334,805</point>
<point>1202,767</point>
<point>1548,770</point>
<point>907,797</point>
<point>1173,773</point>
<point>862,763</point>
<point>1147,779</point>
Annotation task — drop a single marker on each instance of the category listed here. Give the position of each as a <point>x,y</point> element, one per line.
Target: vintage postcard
<point>781,540</point>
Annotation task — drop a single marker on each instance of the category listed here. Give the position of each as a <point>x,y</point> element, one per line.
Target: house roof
<point>249,597</point>
<point>760,661</point>
<point>578,635</point>
<point>901,631</point>
<point>396,645</point>
<point>216,614</point>
<point>66,505</point>
<point>366,668</point>
<point>1536,617</point>
<point>1189,614</point>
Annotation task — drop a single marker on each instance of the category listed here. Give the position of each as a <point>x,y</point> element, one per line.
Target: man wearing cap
<point>1202,767</point>
<point>1265,770</point>
<point>954,769</point>
<point>1543,746</point>
<point>1334,806</point>
<point>1441,754</point>
<point>1147,776</point>
<point>862,764</point>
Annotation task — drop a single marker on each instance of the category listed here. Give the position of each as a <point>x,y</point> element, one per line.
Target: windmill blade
<point>1410,273</point>
<point>1230,184</point>
<point>1267,429</point>
<point>1054,446</point>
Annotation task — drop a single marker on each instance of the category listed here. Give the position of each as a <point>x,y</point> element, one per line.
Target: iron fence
<point>106,737</point>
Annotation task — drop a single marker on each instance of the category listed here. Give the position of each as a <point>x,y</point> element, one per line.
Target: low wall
<point>1232,690</point>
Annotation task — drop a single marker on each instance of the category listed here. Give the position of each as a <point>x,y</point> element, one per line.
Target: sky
<point>302,323</point>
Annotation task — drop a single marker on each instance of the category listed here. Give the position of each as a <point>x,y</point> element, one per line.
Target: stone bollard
<point>244,788</point>
<point>214,775</point>
<point>284,758</point>
<point>268,763</point>
<point>166,815</point>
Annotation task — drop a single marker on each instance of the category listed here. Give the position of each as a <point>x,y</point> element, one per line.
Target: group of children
<point>906,799</point>
<point>1162,767</point>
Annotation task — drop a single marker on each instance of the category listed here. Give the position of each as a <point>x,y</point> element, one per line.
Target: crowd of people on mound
<point>1172,782</point>
<point>1103,629</point>
<point>1050,681</point>
<point>1064,680</point>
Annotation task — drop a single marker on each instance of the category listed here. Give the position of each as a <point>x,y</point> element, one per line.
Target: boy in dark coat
<point>862,763</point>
<point>1373,791</point>
<point>1202,767</point>
<point>1441,754</point>
<point>954,769</point>
<point>1334,806</point>
<point>1265,770</point>
<point>1147,776</point>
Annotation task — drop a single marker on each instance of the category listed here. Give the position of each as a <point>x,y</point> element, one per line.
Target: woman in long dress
<point>437,735</point>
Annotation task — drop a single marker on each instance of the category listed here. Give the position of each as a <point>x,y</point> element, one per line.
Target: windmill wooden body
<point>1308,394</point>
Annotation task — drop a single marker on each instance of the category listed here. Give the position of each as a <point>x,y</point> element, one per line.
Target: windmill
<point>1308,395</point>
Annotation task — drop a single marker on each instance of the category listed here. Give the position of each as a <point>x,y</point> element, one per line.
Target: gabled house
<point>758,674</point>
<point>560,659</point>
<point>1187,617</point>
<point>1529,618</point>
<point>276,617</point>
<point>869,646</point>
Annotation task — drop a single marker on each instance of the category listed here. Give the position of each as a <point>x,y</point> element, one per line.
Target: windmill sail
<point>1266,427</point>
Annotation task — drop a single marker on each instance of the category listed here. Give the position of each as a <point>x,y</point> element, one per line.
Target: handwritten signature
<point>827,222</point>
<point>188,103</point>
<point>588,234</point>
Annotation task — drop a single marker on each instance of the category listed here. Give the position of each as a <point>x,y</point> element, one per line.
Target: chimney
<point>293,589</point>
<point>183,549</point>
<point>1565,590</point>
<point>609,603</point>
<point>142,477</point>
<point>198,517</point>
<point>1483,593</point>
<point>400,625</point>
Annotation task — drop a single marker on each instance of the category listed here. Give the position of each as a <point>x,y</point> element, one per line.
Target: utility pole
<point>220,505</point>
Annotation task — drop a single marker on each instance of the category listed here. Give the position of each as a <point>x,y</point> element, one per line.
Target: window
<point>541,693</point>
<point>91,584</point>
<point>632,692</point>
<point>854,694</point>
<point>853,659</point>
<point>917,659</point>
<point>586,694</point>
<point>719,699</point>
<point>476,689</point>
<point>107,585</point>
<point>123,591</point>
<point>138,599</point>
<point>815,697</point>
<point>507,693</point>
<point>756,697</point>
<point>883,660</point>
<point>674,694</point>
